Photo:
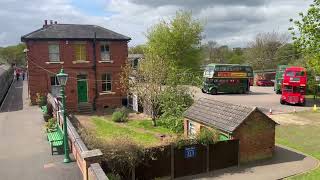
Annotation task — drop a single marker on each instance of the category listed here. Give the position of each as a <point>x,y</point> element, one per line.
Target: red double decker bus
<point>294,86</point>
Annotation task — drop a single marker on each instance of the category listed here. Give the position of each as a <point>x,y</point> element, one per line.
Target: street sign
<point>189,152</point>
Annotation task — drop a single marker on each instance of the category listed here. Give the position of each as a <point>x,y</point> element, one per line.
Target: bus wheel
<point>214,91</point>
<point>282,101</point>
<point>303,103</point>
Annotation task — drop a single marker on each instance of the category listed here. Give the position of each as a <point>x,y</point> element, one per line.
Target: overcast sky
<point>230,22</point>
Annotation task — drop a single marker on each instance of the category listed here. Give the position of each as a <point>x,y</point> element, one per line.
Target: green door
<point>82,91</point>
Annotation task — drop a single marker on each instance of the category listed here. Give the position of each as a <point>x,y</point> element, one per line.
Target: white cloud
<point>231,22</point>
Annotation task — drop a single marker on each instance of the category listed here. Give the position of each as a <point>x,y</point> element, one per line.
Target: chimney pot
<point>55,22</point>
<point>51,22</point>
<point>45,23</point>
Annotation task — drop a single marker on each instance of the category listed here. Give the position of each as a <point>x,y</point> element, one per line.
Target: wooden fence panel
<point>189,160</point>
<point>158,164</point>
<point>223,154</point>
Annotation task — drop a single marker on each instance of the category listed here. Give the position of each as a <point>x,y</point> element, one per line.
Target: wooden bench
<point>55,139</point>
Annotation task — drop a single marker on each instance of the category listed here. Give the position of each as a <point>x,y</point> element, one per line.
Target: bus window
<point>209,80</point>
<point>290,73</point>
<point>301,73</point>
<point>287,89</point>
<point>296,89</point>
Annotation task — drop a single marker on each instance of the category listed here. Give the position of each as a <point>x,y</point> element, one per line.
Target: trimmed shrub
<point>120,115</point>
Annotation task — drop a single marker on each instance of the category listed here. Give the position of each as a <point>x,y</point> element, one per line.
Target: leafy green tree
<point>306,35</point>
<point>177,41</point>
<point>287,54</point>
<point>138,49</point>
<point>13,54</point>
<point>213,53</point>
<point>173,102</point>
<point>171,58</point>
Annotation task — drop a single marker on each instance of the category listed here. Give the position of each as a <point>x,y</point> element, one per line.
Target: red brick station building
<point>91,55</point>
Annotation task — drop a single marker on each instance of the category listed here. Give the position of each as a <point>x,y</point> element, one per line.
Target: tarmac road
<point>261,97</point>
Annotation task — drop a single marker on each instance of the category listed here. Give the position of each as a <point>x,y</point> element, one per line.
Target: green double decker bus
<point>279,78</point>
<point>227,78</point>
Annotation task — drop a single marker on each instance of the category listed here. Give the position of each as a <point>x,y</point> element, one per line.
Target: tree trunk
<point>154,122</point>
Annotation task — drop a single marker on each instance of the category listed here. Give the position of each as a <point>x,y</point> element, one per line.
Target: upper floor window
<point>54,55</point>
<point>106,82</point>
<point>105,51</point>
<point>80,52</point>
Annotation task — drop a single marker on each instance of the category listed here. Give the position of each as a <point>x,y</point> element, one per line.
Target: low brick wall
<point>87,160</point>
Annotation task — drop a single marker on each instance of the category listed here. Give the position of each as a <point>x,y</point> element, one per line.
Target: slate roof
<point>73,32</point>
<point>223,116</point>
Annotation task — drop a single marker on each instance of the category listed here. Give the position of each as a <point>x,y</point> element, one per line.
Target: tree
<point>261,52</point>
<point>138,49</point>
<point>287,54</point>
<point>146,82</point>
<point>213,53</point>
<point>171,53</point>
<point>177,41</point>
<point>13,54</point>
<point>306,35</point>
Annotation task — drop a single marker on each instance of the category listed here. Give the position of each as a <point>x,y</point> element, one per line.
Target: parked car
<point>264,82</point>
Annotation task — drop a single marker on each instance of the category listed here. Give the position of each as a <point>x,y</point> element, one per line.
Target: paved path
<point>262,97</point>
<point>24,150</point>
<point>285,163</point>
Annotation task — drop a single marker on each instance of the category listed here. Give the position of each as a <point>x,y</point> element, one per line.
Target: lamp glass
<point>62,78</point>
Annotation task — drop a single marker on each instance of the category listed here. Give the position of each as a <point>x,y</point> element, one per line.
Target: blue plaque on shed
<point>189,152</point>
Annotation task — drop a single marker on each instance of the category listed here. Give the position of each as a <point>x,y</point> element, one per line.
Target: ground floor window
<point>191,129</point>
<point>55,86</point>
<point>106,82</point>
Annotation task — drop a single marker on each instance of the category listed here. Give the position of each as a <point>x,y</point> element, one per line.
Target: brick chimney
<point>55,22</point>
<point>45,23</point>
<point>51,22</point>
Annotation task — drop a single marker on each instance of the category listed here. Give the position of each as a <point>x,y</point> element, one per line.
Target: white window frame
<point>106,82</point>
<point>53,52</point>
<point>105,55</point>
<point>55,88</point>
<point>191,129</point>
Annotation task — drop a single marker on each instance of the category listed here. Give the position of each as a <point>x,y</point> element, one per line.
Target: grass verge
<point>140,131</point>
<point>305,138</point>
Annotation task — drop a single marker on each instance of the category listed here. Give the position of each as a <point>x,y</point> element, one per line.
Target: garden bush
<point>120,155</point>
<point>120,115</point>
<point>207,136</point>
<point>41,100</point>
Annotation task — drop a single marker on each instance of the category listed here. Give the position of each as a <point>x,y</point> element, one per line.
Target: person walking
<point>23,75</point>
<point>17,75</point>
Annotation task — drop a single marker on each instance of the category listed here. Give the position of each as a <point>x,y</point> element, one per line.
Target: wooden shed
<point>254,129</point>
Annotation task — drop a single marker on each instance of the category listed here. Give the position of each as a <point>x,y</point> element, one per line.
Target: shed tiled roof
<point>73,31</point>
<point>224,116</point>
